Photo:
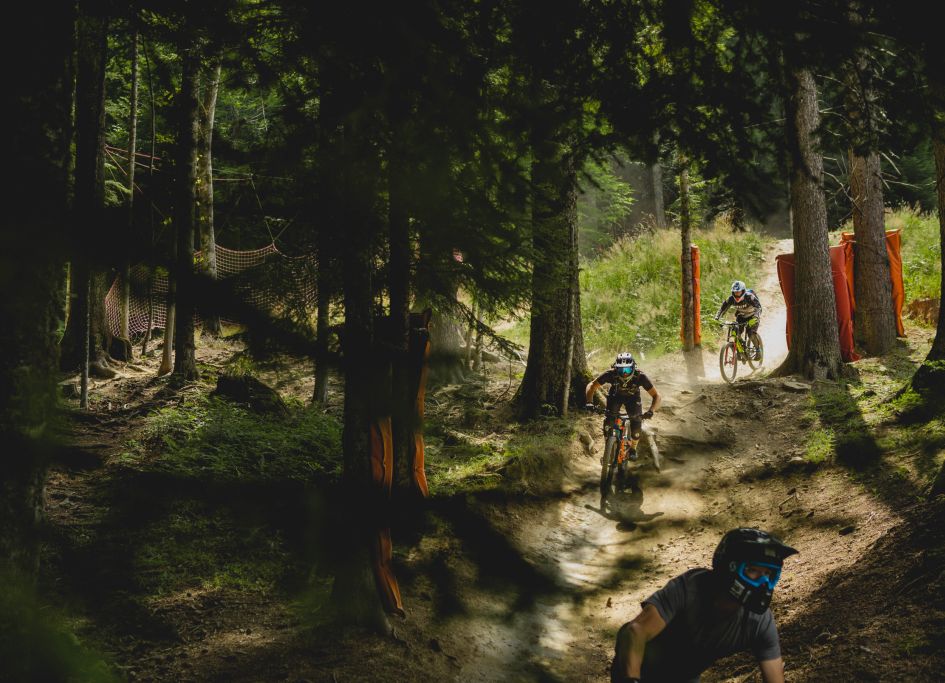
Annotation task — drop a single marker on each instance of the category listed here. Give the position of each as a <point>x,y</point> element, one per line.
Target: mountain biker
<point>625,380</point>
<point>703,615</point>
<point>747,307</point>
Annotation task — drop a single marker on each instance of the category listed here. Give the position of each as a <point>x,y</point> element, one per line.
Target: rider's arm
<point>772,670</point>
<point>657,399</point>
<point>723,308</point>
<point>590,390</point>
<point>633,639</point>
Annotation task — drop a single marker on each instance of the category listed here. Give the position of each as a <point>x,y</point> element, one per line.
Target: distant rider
<point>625,380</point>
<point>747,308</point>
<point>703,615</point>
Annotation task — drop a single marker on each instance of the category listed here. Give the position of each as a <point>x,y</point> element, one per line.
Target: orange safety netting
<point>696,296</point>
<point>267,263</point>
<point>894,251</point>
<point>842,297</point>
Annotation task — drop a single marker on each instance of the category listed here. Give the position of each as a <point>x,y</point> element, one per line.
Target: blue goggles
<point>769,581</point>
<point>626,370</point>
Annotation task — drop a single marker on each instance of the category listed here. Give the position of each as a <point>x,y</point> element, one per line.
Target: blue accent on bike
<point>769,581</point>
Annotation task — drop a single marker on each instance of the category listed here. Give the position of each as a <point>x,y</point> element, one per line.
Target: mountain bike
<point>614,470</point>
<point>735,349</point>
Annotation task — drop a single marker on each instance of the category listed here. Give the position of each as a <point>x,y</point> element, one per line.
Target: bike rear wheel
<point>755,351</point>
<point>608,469</point>
<point>728,362</point>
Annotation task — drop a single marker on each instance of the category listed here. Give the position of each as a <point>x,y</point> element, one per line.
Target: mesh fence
<point>266,279</point>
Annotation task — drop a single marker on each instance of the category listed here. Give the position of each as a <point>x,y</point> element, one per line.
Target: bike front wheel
<point>728,362</point>
<point>608,469</point>
<point>755,351</point>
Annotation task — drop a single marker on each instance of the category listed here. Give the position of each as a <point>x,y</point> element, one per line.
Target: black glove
<point>647,415</point>
<point>588,406</point>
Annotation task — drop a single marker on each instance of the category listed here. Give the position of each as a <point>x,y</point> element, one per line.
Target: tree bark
<point>125,306</point>
<point>185,362</point>
<point>815,345</point>
<point>208,247</point>
<point>688,296</point>
<point>38,103</point>
<point>320,393</point>
<point>580,373</point>
<point>89,194</point>
<point>874,322</point>
<point>545,386</point>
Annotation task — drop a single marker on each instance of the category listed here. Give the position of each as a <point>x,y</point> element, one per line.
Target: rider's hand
<point>588,406</point>
<point>647,415</point>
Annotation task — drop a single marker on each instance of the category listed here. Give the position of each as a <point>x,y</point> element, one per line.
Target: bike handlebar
<point>603,411</point>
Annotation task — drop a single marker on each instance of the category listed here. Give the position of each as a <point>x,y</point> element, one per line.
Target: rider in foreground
<point>747,307</point>
<point>625,381</point>
<point>701,616</point>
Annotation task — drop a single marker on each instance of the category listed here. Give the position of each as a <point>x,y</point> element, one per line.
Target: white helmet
<point>738,290</point>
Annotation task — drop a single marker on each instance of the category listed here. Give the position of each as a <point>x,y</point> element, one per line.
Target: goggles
<point>763,580</point>
<point>625,370</point>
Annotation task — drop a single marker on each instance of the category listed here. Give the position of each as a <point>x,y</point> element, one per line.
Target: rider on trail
<point>747,307</point>
<point>703,615</point>
<point>625,380</point>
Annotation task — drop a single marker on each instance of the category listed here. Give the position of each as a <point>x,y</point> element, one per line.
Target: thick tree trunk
<point>399,288</point>
<point>185,363</point>
<point>815,345</point>
<point>685,225</point>
<point>354,595</point>
<point>89,194</point>
<point>875,322</point>
<point>208,247</point>
<point>38,104</point>
<point>546,384</point>
<point>580,373</point>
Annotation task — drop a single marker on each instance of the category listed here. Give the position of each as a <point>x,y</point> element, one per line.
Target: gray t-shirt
<point>691,642</point>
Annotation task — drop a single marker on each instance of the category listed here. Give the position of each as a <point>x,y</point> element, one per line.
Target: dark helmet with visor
<point>625,365</point>
<point>742,548</point>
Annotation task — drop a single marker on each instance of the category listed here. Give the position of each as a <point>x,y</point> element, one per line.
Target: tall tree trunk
<point>151,233</point>
<point>320,393</point>
<point>125,306</point>
<point>580,373</point>
<point>354,593</point>
<point>208,247</point>
<point>815,344</point>
<point>185,362</point>
<point>547,379</point>
<point>399,289</point>
<point>38,104</point>
<point>874,324</point>
<point>685,225</point>
<point>89,195</point>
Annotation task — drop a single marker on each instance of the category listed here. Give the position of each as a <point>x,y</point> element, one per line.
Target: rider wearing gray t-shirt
<point>686,605</point>
<point>701,616</point>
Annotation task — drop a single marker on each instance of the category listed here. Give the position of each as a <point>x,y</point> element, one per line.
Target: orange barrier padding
<point>382,471</point>
<point>696,292</point>
<point>418,362</point>
<point>894,251</point>
<point>841,289</point>
<point>387,587</point>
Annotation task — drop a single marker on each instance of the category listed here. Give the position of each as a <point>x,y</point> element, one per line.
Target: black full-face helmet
<point>625,365</point>
<point>741,548</point>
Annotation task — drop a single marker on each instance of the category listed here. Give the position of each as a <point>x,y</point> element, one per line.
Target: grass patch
<point>531,460</point>
<point>211,437</point>
<point>921,253</point>
<point>630,296</point>
<point>199,546</point>
<point>820,446</point>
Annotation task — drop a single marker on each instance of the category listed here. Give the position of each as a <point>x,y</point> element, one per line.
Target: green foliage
<point>921,253</point>
<point>36,643</point>
<point>603,206</point>
<point>210,437</point>
<point>630,296</point>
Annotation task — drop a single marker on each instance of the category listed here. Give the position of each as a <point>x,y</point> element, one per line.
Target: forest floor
<point>517,574</point>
